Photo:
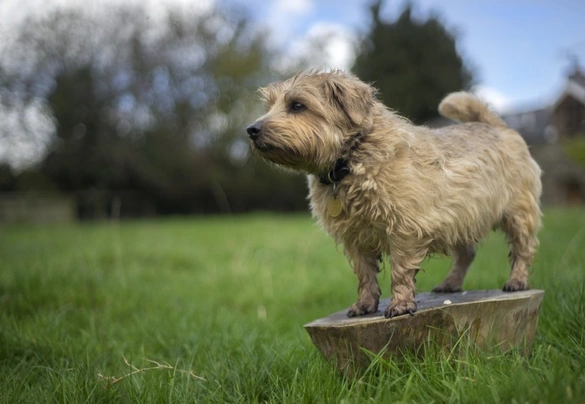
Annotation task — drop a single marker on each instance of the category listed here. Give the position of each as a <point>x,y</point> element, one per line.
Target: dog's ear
<point>354,97</point>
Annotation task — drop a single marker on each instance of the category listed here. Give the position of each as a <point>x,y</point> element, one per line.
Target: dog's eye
<point>297,107</point>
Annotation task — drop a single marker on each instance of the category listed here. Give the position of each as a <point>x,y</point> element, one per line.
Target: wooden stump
<point>490,318</point>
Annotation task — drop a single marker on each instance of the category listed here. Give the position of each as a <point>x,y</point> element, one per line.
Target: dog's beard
<point>286,157</point>
<point>278,155</point>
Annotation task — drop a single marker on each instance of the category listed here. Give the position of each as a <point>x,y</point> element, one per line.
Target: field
<point>211,310</point>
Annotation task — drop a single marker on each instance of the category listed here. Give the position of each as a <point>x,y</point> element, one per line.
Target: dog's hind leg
<point>520,227</point>
<point>366,267</point>
<point>463,256</point>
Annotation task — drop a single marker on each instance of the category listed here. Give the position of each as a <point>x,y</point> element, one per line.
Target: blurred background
<point>138,108</point>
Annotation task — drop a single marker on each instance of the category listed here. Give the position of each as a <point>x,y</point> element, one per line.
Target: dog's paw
<point>399,308</point>
<point>361,309</point>
<point>515,285</point>
<point>446,287</point>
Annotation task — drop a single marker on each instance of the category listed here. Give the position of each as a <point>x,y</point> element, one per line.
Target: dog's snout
<point>254,130</point>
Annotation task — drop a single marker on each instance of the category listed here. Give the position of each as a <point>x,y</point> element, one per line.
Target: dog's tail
<point>465,107</point>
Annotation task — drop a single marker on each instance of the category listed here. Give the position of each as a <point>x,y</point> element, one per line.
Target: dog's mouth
<point>276,154</point>
<point>262,146</point>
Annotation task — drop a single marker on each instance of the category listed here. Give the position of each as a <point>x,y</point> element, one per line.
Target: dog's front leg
<point>366,267</point>
<point>402,274</point>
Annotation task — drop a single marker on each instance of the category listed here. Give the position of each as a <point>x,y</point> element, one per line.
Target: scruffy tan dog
<point>382,186</point>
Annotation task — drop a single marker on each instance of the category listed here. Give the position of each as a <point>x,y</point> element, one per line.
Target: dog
<point>386,188</point>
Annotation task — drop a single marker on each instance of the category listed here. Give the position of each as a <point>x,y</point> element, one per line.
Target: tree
<point>413,63</point>
<point>157,108</point>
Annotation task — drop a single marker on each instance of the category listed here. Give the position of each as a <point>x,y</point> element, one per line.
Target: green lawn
<point>212,310</point>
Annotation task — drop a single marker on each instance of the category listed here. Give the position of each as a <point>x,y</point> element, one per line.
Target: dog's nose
<point>254,130</point>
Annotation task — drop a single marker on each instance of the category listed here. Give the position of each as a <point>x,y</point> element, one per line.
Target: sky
<point>519,48</point>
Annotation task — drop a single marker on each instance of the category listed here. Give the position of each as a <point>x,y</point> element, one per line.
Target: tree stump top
<point>491,318</point>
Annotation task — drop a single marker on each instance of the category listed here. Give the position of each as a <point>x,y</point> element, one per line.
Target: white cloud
<point>296,6</point>
<point>339,43</point>
<point>496,99</point>
<point>24,133</point>
<point>324,45</point>
<point>284,18</point>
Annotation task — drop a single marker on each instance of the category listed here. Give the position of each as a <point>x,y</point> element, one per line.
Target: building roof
<point>537,126</point>
<point>574,88</point>
<point>578,76</point>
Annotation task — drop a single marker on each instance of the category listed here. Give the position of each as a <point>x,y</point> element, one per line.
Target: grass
<point>211,310</point>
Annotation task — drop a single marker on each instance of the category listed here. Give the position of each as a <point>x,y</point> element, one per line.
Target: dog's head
<point>310,118</point>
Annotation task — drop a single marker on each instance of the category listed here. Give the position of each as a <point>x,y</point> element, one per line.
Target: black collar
<point>341,169</point>
<point>339,172</point>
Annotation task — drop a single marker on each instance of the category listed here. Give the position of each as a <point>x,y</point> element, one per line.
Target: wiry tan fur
<point>411,191</point>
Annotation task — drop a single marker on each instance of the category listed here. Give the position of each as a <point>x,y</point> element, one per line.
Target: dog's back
<point>500,147</point>
<point>513,154</point>
<point>518,172</point>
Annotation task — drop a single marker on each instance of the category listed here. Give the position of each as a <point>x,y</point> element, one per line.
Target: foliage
<point>211,310</point>
<point>575,148</point>
<point>413,63</point>
<point>147,109</point>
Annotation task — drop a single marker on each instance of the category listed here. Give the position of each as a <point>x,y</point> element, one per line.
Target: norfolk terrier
<point>384,187</point>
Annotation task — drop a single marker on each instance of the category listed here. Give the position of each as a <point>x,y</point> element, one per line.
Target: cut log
<point>490,318</point>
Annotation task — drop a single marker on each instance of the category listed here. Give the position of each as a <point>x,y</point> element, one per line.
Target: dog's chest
<point>358,231</point>
<point>361,222</point>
